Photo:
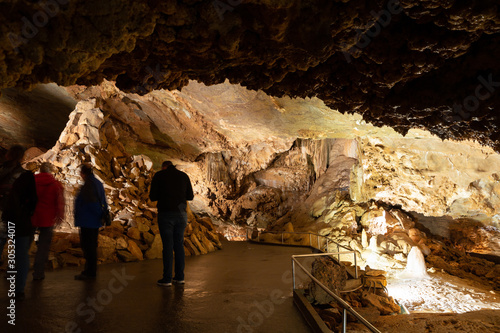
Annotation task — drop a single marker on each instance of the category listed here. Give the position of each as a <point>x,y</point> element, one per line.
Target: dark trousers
<point>42,252</point>
<point>22,247</point>
<point>88,241</point>
<point>172,226</point>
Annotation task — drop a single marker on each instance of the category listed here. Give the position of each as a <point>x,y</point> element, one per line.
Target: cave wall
<point>403,63</point>
<point>429,176</point>
<point>254,159</point>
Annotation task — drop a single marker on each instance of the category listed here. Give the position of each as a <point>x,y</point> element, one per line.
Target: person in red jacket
<point>49,211</point>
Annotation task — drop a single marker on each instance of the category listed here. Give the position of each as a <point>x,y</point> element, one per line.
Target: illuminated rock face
<point>429,176</point>
<point>406,64</point>
<point>243,151</point>
<point>257,161</point>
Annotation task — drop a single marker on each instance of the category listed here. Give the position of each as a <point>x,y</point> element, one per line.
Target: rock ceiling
<point>407,64</point>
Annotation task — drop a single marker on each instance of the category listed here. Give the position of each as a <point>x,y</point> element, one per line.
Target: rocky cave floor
<point>440,303</point>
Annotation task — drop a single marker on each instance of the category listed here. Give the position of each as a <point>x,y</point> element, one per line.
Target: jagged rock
<point>77,252</point>
<point>155,251</point>
<point>374,220</point>
<point>329,273</point>
<point>191,247</point>
<point>207,244</point>
<point>385,305</point>
<point>134,233</point>
<point>142,227</point>
<point>148,238</point>
<point>67,259</point>
<point>215,239</point>
<point>197,244</point>
<point>121,243</point>
<point>106,248</point>
<point>135,250</point>
<point>60,245</point>
<point>126,256</point>
<point>155,229</point>
<point>116,226</point>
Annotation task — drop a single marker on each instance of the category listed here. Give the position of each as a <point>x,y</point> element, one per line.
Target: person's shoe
<point>164,283</point>
<point>84,277</point>
<point>178,281</point>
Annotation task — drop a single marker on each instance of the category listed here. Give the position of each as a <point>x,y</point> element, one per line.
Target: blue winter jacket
<point>89,208</point>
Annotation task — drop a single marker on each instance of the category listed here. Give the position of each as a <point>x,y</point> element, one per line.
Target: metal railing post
<point>310,241</point>
<point>293,273</point>
<point>282,237</point>
<point>344,321</point>
<point>338,251</point>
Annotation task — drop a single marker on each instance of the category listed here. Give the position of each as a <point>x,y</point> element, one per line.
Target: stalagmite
<point>415,267</point>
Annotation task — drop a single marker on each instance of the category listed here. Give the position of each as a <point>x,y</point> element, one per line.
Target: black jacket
<point>171,188</point>
<point>21,203</point>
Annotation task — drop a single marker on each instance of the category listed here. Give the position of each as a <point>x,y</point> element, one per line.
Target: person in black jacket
<point>10,170</point>
<point>171,188</point>
<point>19,207</point>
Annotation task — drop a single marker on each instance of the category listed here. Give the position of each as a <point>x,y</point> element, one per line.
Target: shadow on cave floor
<point>242,288</point>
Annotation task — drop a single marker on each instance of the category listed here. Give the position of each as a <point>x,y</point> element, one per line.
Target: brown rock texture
<point>133,235</point>
<point>406,64</point>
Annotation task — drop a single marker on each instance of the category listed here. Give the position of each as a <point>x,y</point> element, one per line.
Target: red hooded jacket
<point>50,205</point>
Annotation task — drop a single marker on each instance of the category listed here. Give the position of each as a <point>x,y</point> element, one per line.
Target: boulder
<point>385,305</point>
<point>126,256</point>
<point>148,238</point>
<point>66,259</point>
<point>135,250</point>
<point>134,233</point>
<point>155,251</point>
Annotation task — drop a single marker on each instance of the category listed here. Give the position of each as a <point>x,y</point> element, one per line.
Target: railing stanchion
<point>293,272</point>
<point>310,241</point>
<point>344,321</point>
<point>282,237</point>
<point>338,251</point>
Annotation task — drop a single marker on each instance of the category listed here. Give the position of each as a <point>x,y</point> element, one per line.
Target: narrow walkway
<point>243,288</point>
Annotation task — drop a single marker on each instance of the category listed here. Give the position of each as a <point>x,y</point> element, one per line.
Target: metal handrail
<point>328,239</point>
<point>298,233</point>
<point>337,298</point>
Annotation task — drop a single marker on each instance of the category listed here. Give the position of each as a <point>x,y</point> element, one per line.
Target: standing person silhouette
<point>90,204</point>
<point>18,206</point>
<point>10,170</point>
<point>171,188</point>
<point>48,212</point>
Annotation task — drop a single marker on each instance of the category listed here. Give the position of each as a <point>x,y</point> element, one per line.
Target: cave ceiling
<point>406,64</point>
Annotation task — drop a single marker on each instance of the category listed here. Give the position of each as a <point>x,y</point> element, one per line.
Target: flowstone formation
<point>403,63</point>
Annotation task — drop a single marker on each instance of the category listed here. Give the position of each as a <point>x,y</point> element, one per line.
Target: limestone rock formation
<point>133,235</point>
<point>405,63</point>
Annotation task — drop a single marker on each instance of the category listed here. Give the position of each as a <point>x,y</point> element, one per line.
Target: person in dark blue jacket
<point>90,203</point>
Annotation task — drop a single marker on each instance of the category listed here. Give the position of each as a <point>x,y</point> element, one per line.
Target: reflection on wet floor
<point>232,290</point>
